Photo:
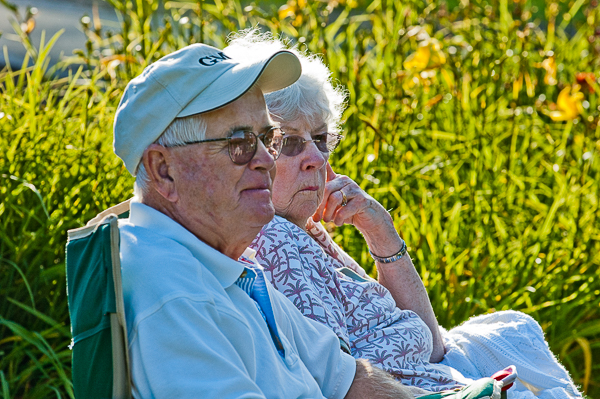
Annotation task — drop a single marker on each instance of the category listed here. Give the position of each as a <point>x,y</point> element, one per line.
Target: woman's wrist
<point>383,240</point>
<point>392,258</point>
<point>386,245</point>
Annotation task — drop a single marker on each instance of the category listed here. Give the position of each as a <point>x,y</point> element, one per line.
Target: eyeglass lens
<point>294,145</point>
<point>242,144</point>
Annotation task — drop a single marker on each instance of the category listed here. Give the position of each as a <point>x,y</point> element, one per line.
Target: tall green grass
<point>498,202</point>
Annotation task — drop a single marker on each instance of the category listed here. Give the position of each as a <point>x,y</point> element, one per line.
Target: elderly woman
<point>390,321</point>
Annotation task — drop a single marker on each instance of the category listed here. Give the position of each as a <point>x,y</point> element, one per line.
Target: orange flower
<point>429,55</point>
<point>28,26</point>
<point>568,104</point>
<point>434,101</point>
<point>586,80</point>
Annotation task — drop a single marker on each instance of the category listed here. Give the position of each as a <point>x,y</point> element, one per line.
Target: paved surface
<point>52,16</point>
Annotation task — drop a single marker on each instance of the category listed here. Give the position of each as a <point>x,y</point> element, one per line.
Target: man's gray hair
<point>181,130</point>
<point>313,94</point>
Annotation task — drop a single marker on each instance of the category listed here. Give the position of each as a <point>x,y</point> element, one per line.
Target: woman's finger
<point>334,201</point>
<point>346,214</point>
<point>330,173</point>
<point>333,184</point>
<point>342,211</point>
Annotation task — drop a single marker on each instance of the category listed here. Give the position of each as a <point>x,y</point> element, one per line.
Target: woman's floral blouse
<point>327,287</point>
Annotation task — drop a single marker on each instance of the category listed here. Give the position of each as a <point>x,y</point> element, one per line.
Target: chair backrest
<point>100,358</point>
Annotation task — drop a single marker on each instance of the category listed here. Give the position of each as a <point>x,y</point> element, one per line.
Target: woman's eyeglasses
<point>326,143</point>
<point>242,144</point>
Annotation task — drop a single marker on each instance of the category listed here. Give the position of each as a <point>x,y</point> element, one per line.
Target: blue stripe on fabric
<point>261,295</point>
<point>253,283</point>
<point>246,283</point>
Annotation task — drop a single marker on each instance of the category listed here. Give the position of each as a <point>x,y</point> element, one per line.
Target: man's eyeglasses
<point>243,143</point>
<point>326,143</point>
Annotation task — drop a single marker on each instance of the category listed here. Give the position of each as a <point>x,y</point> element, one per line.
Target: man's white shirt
<point>194,333</point>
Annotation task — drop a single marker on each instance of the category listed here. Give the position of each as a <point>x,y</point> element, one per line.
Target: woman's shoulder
<point>281,241</point>
<point>281,231</point>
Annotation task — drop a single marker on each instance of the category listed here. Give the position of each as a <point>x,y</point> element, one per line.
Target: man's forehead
<point>248,112</point>
<point>253,128</point>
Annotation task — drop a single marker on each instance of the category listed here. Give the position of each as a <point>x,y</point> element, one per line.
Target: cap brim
<point>275,73</point>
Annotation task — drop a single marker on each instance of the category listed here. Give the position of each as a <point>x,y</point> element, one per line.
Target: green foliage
<point>56,170</point>
<point>497,201</point>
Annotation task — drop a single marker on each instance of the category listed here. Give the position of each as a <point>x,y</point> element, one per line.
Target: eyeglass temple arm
<point>201,141</point>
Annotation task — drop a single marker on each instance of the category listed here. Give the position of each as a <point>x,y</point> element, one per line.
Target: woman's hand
<point>360,209</point>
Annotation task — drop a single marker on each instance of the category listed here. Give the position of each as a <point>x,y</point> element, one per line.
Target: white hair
<point>180,131</point>
<point>312,94</point>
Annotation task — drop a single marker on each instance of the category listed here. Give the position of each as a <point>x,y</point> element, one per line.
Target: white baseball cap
<point>196,79</point>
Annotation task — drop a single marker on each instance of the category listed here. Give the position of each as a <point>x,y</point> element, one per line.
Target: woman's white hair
<point>313,93</point>
<point>180,131</point>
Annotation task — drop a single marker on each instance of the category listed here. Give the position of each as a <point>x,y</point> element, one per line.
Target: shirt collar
<point>225,269</point>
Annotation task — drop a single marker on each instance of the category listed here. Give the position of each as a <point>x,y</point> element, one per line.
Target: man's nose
<point>263,159</point>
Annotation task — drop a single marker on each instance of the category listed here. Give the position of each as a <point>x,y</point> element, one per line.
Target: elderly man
<point>202,319</point>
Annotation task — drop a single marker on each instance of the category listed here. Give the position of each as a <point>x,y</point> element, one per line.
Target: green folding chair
<point>100,359</point>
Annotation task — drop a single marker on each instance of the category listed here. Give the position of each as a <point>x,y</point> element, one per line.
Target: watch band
<point>392,258</point>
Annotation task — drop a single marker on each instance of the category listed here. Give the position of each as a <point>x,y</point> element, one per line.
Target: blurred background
<point>48,16</point>
<point>475,122</point>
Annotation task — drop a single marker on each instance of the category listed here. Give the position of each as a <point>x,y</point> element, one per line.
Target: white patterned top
<point>360,311</point>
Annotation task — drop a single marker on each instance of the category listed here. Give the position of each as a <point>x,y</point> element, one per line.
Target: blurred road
<point>52,16</point>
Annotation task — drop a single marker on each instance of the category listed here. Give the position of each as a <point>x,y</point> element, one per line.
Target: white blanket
<point>486,344</point>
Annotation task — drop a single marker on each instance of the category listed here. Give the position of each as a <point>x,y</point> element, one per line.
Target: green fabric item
<point>352,274</point>
<point>482,388</point>
<point>91,296</point>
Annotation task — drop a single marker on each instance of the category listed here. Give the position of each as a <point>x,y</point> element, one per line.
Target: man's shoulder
<point>158,270</point>
<point>146,249</point>
<point>156,266</point>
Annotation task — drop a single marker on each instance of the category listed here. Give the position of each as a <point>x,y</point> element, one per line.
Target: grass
<point>498,201</point>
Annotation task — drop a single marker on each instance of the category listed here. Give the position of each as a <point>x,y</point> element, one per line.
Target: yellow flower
<point>550,66</point>
<point>568,104</point>
<point>334,3</point>
<point>111,68</point>
<point>292,9</point>
<point>286,11</point>
<point>429,55</point>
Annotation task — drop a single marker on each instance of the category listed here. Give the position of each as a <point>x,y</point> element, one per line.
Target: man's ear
<point>158,163</point>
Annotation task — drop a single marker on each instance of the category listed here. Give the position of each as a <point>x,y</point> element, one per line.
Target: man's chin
<point>262,215</point>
